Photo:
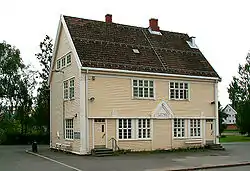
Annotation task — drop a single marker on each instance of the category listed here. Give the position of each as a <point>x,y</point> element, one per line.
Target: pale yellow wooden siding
<point>162,134</point>
<point>72,107</point>
<point>111,131</point>
<point>91,134</point>
<point>113,97</point>
<point>135,145</point>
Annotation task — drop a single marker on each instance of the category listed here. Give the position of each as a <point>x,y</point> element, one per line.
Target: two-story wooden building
<point>143,88</point>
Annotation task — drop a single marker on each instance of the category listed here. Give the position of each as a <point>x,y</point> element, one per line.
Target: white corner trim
<point>55,48</point>
<point>50,116</point>
<point>106,133</point>
<point>83,148</point>
<point>71,42</point>
<point>216,113</point>
<point>149,73</point>
<point>93,133</point>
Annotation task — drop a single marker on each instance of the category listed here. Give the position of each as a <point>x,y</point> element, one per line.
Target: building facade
<point>140,88</point>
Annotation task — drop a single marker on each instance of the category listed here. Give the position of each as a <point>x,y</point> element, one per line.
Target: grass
<point>235,138</point>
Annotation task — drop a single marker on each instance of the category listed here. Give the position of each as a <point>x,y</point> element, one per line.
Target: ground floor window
<point>69,129</point>
<point>195,127</point>
<point>179,128</point>
<point>125,128</point>
<point>143,128</point>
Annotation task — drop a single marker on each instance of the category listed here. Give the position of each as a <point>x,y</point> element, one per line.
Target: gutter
<point>150,73</point>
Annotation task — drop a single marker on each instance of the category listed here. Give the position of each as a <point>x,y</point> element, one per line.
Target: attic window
<point>136,51</point>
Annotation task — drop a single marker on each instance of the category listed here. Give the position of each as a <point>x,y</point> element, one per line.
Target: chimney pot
<point>108,18</point>
<point>153,24</point>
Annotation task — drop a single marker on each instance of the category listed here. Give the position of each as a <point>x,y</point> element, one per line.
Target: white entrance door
<point>100,133</point>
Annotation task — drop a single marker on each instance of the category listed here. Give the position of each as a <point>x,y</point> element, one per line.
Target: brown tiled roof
<point>110,45</point>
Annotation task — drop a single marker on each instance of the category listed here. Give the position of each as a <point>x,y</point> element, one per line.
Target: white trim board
<point>147,117</point>
<point>150,73</point>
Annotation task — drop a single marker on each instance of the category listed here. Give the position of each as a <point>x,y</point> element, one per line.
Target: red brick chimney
<point>108,18</point>
<point>153,24</point>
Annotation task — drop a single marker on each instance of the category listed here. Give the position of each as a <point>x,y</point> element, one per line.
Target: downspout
<point>86,111</point>
<point>216,113</point>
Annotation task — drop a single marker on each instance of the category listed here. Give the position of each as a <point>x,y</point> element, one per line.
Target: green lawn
<point>234,138</point>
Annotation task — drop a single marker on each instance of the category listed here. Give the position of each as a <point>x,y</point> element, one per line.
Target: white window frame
<point>67,90</point>
<point>63,61</point>
<point>68,56</point>
<point>71,88</point>
<point>125,127</point>
<point>187,90</point>
<point>179,128</point>
<point>58,64</point>
<point>142,87</point>
<point>69,129</point>
<point>144,127</point>
<point>195,127</point>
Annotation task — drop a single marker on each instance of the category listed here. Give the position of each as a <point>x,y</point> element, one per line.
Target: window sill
<point>146,139</point>
<point>66,139</point>
<point>143,98</point>
<point>186,100</point>
<point>185,138</point>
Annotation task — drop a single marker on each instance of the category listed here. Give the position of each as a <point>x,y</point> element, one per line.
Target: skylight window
<point>136,51</point>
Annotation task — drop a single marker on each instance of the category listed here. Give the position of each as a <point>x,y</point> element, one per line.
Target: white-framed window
<point>66,90</point>
<point>125,128</point>
<point>68,59</point>
<point>63,62</point>
<point>69,129</point>
<point>58,64</point>
<point>195,127</point>
<point>179,91</point>
<point>179,128</point>
<point>143,128</point>
<point>143,89</point>
<point>69,89</point>
<point>72,88</point>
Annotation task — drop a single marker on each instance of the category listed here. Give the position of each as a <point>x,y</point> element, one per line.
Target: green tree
<point>239,94</point>
<point>42,110</point>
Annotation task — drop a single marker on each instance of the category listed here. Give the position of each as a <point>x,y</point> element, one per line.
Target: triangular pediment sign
<point>163,111</point>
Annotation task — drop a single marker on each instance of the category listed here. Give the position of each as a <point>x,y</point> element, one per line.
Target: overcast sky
<point>221,27</point>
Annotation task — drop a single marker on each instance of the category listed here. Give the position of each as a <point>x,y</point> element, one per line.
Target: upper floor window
<point>63,62</point>
<point>143,89</point>
<point>179,91</point>
<point>58,64</point>
<point>69,89</point>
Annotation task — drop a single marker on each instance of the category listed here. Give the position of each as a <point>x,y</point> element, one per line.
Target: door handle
<point>103,135</point>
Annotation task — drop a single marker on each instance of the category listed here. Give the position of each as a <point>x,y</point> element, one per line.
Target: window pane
<point>145,92</point>
<point>151,92</point>
<point>151,83</point>
<point>176,85</point>
<point>145,83</point>
<point>171,85</point>
<point>172,93</point>
<point>177,94</point>
<point>140,83</point>
<point>186,85</point>
<point>135,91</point>
<point>69,59</point>
<point>140,92</point>
<point>135,83</point>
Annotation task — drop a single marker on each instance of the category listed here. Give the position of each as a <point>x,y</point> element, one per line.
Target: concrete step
<point>99,152</point>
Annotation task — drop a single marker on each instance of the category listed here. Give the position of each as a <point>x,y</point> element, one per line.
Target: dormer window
<point>191,43</point>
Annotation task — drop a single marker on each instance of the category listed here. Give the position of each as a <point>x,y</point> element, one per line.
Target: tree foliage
<point>239,94</point>
<point>222,117</point>
<point>42,109</point>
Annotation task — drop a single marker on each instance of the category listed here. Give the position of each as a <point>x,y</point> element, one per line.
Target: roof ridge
<point>125,25</point>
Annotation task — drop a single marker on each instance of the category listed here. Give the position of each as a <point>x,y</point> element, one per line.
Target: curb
<point>212,166</point>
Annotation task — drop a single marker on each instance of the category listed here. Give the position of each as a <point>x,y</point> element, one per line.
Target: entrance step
<point>215,147</point>
<point>101,152</point>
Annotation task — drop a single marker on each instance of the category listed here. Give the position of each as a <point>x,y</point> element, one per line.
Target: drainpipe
<point>86,111</point>
<point>216,113</point>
